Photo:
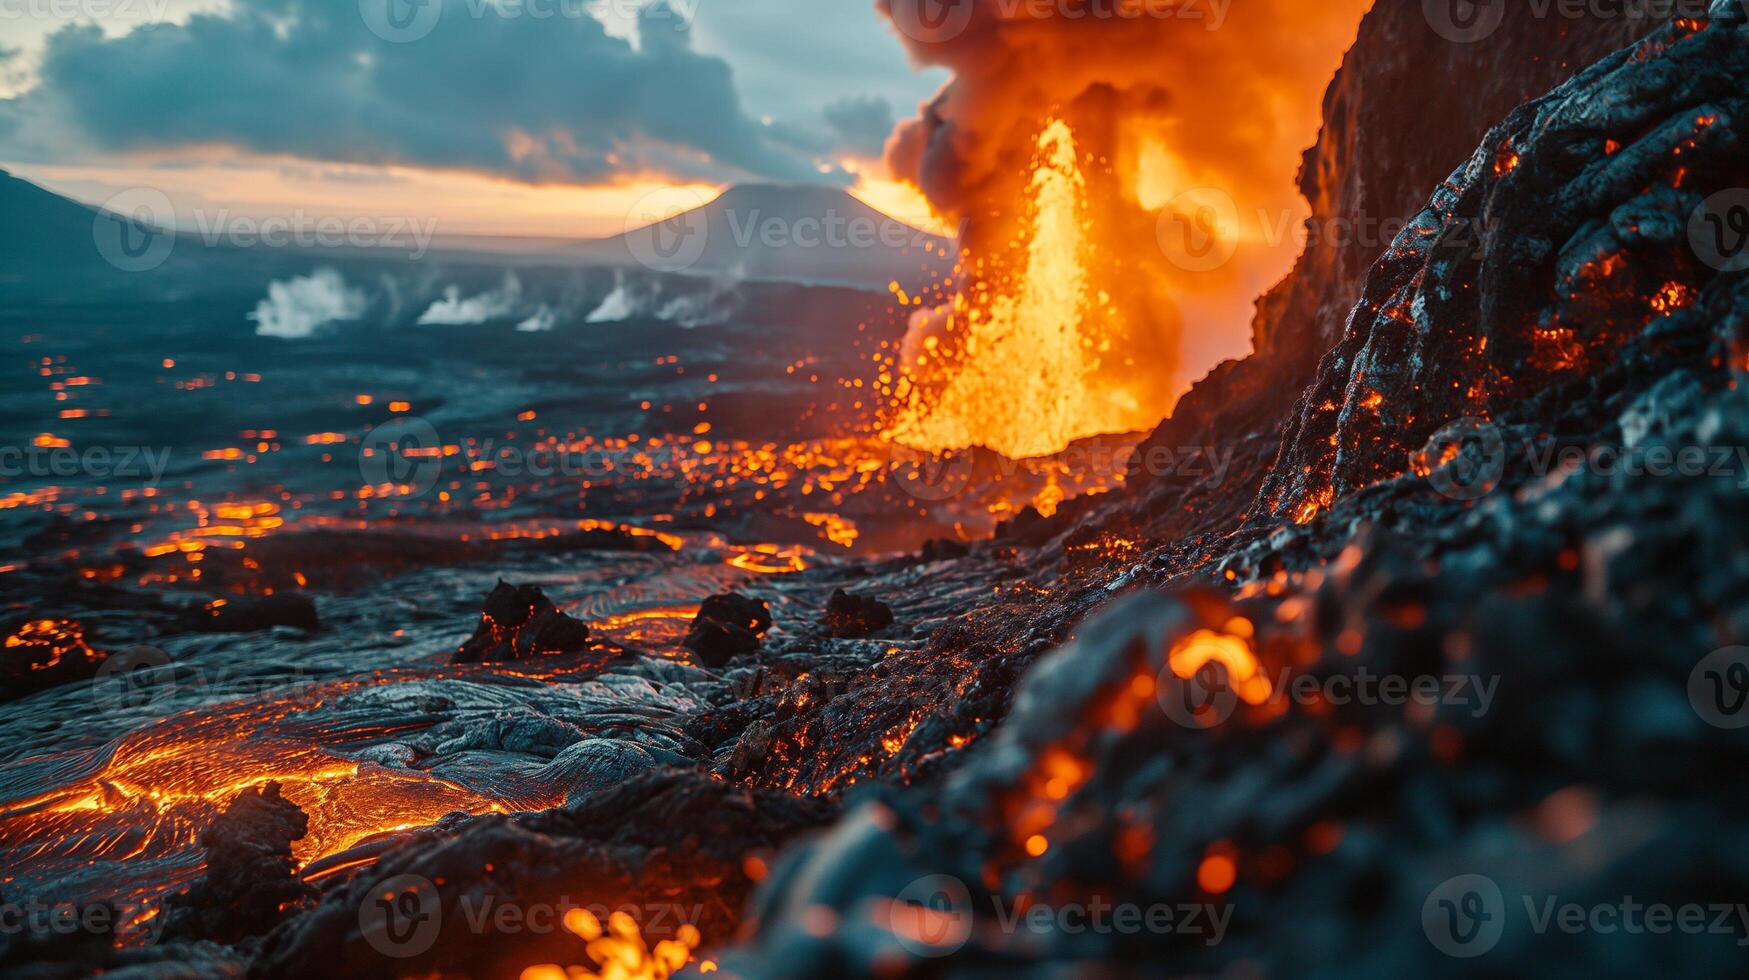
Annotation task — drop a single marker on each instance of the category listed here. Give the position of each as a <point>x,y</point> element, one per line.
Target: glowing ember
<point>49,640</point>
<point>619,950</point>
<point>1202,647</point>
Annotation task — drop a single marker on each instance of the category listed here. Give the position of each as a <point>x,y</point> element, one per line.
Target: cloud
<point>862,124</point>
<point>552,99</point>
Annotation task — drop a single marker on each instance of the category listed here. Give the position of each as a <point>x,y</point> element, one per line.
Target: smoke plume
<point>1190,117</point>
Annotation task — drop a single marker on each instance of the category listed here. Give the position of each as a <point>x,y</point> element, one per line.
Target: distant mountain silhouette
<point>66,250</point>
<point>43,229</point>
<point>794,233</point>
<point>59,244</point>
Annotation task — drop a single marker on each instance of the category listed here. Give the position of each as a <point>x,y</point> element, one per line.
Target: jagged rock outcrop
<point>251,881</point>
<point>519,621</point>
<point>727,626</point>
<point>850,615</point>
<point>1549,279</point>
<point>1407,106</point>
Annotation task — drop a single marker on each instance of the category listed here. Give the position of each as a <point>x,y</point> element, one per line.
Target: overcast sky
<point>518,116</point>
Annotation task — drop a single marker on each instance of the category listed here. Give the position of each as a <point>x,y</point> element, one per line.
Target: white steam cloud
<point>494,304</point>
<point>299,307</point>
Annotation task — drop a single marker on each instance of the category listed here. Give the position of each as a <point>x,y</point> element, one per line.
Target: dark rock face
<point>519,621</point>
<point>673,846</point>
<point>251,881</point>
<point>727,626</point>
<point>1394,127</point>
<point>1550,278</point>
<point>852,615</point>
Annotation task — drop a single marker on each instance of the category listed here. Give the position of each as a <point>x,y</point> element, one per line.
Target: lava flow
<point>1014,364</point>
<point>142,803</point>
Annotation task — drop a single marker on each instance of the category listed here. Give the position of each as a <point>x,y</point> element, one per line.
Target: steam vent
<point>904,488</point>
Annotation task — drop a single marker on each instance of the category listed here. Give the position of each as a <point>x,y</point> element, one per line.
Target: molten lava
<point>1013,364</point>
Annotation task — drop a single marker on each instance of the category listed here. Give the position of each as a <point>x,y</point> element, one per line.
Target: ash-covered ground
<point>1442,673</point>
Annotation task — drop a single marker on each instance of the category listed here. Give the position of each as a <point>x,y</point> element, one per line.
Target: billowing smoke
<point>1190,117</point>
<point>493,304</point>
<point>297,307</point>
<point>683,301</point>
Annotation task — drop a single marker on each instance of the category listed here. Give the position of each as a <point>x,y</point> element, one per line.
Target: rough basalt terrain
<point>1563,598</point>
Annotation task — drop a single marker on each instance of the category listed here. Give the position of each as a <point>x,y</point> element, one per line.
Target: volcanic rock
<point>252,614</point>
<point>251,881</point>
<point>519,621</point>
<point>943,549</point>
<point>673,846</point>
<point>727,626</point>
<point>1549,280</point>
<point>1389,136</point>
<point>40,653</point>
<point>851,615</point>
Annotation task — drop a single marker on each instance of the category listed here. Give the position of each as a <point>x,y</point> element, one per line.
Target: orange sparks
<point>1672,297</point>
<point>1217,872</point>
